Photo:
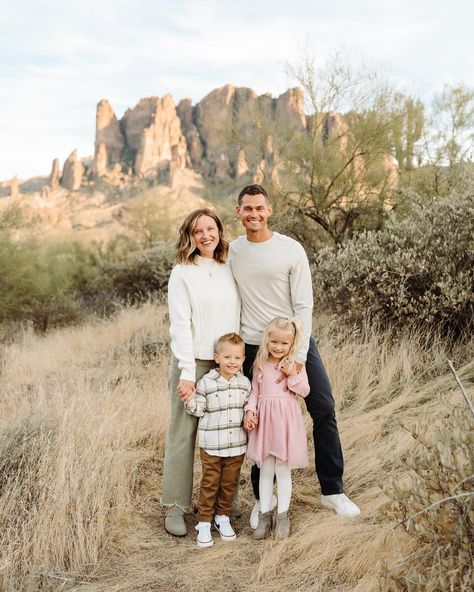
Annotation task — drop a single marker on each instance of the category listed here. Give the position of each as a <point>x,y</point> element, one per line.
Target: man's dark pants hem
<point>320,404</point>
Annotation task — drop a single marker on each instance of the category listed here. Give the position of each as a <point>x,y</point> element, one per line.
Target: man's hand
<point>250,421</point>
<point>186,390</point>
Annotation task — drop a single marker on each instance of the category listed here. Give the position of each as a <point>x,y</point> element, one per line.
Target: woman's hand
<point>186,390</point>
<point>250,421</point>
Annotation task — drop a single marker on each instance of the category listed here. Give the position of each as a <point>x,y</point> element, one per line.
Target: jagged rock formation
<point>54,176</point>
<point>72,172</point>
<point>153,133</point>
<point>109,141</point>
<point>156,135</point>
<point>221,136</point>
<point>14,186</point>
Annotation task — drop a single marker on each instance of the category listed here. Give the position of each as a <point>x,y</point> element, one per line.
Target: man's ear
<point>237,211</point>
<point>270,209</point>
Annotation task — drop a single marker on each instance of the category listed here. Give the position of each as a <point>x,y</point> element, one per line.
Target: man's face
<point>254,212</point>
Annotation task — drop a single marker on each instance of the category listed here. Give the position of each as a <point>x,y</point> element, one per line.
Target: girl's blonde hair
<point>186,249</point>
<point>293,326</point>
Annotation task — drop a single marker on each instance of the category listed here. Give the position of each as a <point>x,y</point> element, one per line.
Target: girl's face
<point>279,344</point>
<point>206,236</point>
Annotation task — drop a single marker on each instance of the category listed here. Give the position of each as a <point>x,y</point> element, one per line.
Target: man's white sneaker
<point>224,528</point>
<point>204,537</point>
<point>256,510</point>
<point>341,504</point>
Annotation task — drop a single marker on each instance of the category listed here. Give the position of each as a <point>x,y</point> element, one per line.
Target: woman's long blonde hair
<point>186,249</point>
<point>293,326</point>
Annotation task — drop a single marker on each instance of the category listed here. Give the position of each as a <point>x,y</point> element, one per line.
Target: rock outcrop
<point>289,108</point>
<point>72,172</point>
<point>222,136</point>
<point>109,141</point>
<point>187,114</point>
<point>54,176</point>
<point>153,132</point>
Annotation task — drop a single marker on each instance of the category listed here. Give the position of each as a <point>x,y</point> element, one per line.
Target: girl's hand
<point>186,390</point>
<point>250,421</point>
<point>288,367</point>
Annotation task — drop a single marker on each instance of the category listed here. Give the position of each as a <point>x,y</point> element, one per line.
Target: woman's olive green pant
<point>180,443</point>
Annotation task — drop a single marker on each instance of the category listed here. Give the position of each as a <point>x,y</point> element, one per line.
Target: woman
<point>203,304</point>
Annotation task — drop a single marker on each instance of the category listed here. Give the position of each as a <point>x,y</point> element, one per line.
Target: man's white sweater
<point>203,304</point>
<point>274,280</point>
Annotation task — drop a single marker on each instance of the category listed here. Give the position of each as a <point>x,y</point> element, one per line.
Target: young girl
<point>277,438</point>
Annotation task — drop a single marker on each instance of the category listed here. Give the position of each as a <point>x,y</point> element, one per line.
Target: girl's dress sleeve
<point>254,393</point>
<point>298,384</point>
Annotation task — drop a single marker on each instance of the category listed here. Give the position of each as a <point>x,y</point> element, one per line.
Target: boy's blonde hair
<point>293,326</point>
<point>232,338</point>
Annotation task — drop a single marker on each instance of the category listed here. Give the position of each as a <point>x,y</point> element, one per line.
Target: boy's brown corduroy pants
<point>220,476</point>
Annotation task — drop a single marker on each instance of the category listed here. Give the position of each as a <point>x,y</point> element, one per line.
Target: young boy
<point>219,402</point>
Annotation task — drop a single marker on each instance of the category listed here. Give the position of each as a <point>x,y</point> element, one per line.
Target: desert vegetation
<point>84,419</point>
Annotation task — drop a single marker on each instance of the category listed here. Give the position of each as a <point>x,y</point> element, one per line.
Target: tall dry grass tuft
<point>84,418</point>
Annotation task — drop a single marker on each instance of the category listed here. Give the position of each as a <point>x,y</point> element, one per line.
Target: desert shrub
<point>435,505</point>
<point>419,269</point>
<point>136,278</point>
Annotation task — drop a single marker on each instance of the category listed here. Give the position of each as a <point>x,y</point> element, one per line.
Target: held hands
<point>186,390</point>
<point>289,368</point>
<point>250,421</point>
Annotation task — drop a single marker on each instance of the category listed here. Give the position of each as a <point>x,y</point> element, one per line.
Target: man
<point>274,279</point>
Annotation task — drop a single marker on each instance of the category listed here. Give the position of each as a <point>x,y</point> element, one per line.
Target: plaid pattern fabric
<point>219,403</point>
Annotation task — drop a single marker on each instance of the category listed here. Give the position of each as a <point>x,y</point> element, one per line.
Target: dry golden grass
<point>82,429</point>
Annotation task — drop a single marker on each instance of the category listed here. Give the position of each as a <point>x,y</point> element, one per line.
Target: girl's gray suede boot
<point>282,526</point>
<point>264,526</point>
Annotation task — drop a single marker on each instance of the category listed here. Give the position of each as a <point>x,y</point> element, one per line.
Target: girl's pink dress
<point>280,431</point>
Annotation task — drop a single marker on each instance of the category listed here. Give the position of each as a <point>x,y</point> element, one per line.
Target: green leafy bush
<point>416,270</point>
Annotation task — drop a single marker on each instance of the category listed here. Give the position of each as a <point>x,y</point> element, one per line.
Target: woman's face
<point>206,236</point>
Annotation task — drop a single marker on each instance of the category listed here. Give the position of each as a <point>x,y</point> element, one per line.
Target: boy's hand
<point>250,421</point>
<point>186,390</point>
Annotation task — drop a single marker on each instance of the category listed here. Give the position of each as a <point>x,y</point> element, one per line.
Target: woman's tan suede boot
<point>264,526</point>
<point>282,526</point>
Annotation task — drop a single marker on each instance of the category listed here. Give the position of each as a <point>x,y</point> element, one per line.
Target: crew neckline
<point>206,260</point>
<point>265,242</point>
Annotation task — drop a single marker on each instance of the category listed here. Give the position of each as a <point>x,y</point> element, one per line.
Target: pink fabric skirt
<point>280,433</point>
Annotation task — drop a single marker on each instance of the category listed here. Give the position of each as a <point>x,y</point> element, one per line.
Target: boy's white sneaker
<point>341,504</point>
<point>204,537</point>
<point>224,528</point>
<point>256,510</point>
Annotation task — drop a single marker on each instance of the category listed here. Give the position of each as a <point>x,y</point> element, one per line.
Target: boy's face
<point>230,358</point>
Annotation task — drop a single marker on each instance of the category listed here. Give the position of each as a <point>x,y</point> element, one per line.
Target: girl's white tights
<point>268,469</point>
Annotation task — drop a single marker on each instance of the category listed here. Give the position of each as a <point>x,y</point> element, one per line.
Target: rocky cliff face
<point>157,135</point>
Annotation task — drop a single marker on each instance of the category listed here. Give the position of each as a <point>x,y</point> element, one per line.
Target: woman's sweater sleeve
<point>180,312</point>
<point>299,384</point>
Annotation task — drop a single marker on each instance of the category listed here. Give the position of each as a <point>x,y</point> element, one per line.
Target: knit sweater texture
<point>274,280</point>
<point>203,304</point>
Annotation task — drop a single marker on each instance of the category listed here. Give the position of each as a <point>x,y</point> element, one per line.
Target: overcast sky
<point>59,58</point>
